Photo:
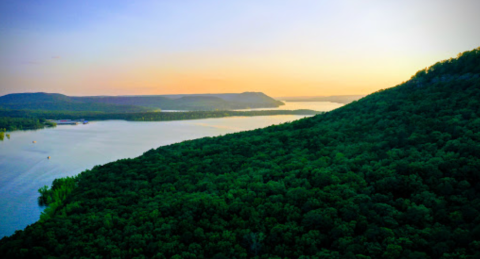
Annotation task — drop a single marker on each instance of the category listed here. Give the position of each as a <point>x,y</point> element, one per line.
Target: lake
<point>316,106</point>
<point>24,166</point>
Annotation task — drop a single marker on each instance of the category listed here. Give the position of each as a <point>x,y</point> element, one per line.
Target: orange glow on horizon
<point>281,48</point>
<point>192,75</point>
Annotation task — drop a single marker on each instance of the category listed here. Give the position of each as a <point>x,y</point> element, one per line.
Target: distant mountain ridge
<point>224,96</point>
<point>191,101</point>
<point>56,102</point>
<point>59,102</point>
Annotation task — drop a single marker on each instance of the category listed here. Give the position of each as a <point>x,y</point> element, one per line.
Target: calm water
<point>24,166</point>
<point>316,106</point>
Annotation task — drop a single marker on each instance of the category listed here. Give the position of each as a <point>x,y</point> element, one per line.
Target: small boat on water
<point>34,142</point>
<point>48,157</point>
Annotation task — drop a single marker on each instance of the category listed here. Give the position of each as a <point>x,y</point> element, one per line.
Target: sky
<point>279,47</point>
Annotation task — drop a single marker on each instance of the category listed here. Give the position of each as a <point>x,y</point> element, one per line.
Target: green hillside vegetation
<point>252,99</point>
<point>11,124</point>
<point>59,102</point>
<point>3,135</point>
<point>31,110</point>
<point>146,116</point>
<point>191,102</point>
<point>393,175</point>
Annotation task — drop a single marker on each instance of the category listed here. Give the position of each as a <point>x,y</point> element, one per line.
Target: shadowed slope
<point>191,102</point>
<point>59,102</point>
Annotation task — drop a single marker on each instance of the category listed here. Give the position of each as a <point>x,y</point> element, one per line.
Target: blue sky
<point>278,47</point>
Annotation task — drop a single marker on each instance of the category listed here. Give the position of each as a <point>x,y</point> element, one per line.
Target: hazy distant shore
<point>337,99</point>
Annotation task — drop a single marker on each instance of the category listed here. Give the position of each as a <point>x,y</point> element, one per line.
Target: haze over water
<point>316,106</point>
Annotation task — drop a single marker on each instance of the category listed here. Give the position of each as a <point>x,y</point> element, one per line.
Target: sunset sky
<point>281,48</point>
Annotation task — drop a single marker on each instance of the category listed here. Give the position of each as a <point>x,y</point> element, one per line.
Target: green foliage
<point>15,123</point>
<point>59,102</point>
<point>207,102</point>
<point>53,198</point>
<point>121,104</point>
<point>465,66</point>
<point>29,111</point>
<point>22,119</point>
<point>393,175</point>
<point>147,116</point>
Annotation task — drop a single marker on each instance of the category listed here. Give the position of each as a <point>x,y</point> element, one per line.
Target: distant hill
<point>336,98</point>
<point>253,99</point>
<point>60,102</point>
<point>245,97</point>
<point>191,102</point>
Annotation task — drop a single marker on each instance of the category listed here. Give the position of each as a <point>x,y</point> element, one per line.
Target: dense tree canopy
<point>393,175</point>
<point>197,102</point>
<point>121,104</point>
<point>147,116</point>
<point>60,102</point>
<point>11,120</point>
<point>14,123</point>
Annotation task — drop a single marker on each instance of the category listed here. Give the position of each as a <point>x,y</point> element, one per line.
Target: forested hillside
<point>8,115</point>
<point>13,123</point>
<point>18,110</point>
<point>393,175</point>
<point>60,102</point>
<point>117,104</point>
<point>194,102</point>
